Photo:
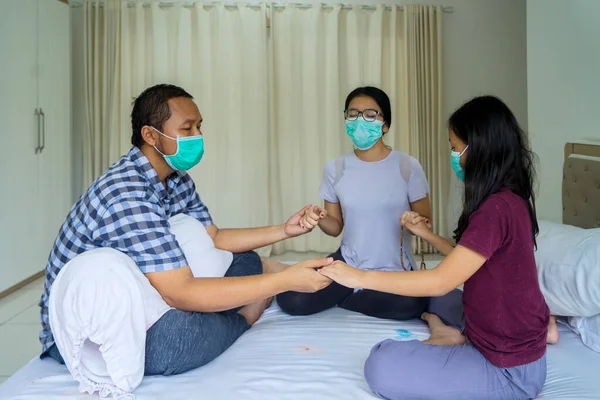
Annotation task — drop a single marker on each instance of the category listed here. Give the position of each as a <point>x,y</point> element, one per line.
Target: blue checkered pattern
<point>127,209</point>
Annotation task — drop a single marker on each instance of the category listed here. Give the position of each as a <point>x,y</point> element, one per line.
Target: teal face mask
<point>455,162</point>
<point>189,152</point>
<point>364,134</point>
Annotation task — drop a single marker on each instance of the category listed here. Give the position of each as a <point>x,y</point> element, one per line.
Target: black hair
<point>382,100</point>
<point>498,157</point>
<point>151,108</point>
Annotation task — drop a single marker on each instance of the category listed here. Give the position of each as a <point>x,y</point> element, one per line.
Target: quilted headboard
<point>581,185</point>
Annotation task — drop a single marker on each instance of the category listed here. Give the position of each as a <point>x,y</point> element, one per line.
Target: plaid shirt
<point>127,209</point>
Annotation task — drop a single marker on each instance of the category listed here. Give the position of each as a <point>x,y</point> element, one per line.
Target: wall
<point>484,53</point>
<point>563,41</point>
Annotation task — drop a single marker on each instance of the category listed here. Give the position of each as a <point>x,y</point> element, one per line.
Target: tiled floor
<point>19,328</point>
<point>20,321</point>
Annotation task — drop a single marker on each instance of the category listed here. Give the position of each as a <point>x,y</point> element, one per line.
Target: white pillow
<point>549,229</point>
<point>100,307</point>
<point>205,260</point>
<point>589,330</point>
<point>568,262</point>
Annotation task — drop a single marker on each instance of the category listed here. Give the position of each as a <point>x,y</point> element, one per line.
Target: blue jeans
<point>180,340</point>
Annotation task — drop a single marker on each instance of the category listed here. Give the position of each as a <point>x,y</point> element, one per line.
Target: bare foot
<point>553,333</point>
<point>442,334</point>
<point>252,312</point>
<point>271,267</point>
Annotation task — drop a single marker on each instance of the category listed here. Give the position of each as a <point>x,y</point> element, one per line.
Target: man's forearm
<point>220,294</point>
<point>246,239</point>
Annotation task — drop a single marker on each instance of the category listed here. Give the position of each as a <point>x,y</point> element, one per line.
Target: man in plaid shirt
<point>127,209</point>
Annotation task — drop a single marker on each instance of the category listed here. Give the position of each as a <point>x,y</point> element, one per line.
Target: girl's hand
<point>416,224</point>
<point>305,278</point>
<point>311,217</point>
<point>344,274</point>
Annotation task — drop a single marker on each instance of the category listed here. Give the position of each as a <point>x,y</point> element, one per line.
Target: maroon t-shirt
<point>506,314</point>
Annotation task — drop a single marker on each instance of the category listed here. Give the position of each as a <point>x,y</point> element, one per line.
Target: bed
<point>581,185</point>
<point>322,356</point>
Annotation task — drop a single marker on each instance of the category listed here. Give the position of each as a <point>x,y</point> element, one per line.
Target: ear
<point>149,135</point>
<point>385,128</point>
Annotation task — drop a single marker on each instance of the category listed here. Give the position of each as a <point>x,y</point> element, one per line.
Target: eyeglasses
<point>369,115</point>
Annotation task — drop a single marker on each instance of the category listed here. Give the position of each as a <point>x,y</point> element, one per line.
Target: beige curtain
<point>218,54</point>
<point>100,63</point>
<point>270,82</point>
<point>426,115</point>
<point>319,54</point>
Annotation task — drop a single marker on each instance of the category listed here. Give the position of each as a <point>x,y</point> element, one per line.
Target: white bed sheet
<point>314,357</point>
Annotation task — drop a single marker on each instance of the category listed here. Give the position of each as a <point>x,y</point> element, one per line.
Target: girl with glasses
<point>366,192</point>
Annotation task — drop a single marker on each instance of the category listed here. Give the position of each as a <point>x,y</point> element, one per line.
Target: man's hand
<point>304,277</point>
<point>246,239</point>
<point>294,227</point>
<point>344,274</point>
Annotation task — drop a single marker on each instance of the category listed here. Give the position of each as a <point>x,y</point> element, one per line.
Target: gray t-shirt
<point>373,197</point>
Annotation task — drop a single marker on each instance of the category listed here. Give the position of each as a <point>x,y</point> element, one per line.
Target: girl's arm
<point>422,207</point>
<point>439,243</point>
<point>333,223</point>
<point>453,271</point>
<point>419,226</point>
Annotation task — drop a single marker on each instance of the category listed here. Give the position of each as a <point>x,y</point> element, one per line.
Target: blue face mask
<point>455,161</point>
<point>364,134</point>
<point>189,152</point>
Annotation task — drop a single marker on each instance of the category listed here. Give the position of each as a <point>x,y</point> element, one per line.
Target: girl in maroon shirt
<point>501,352</point>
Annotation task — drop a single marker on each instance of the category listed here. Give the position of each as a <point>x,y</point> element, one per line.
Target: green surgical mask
<point>189,152</point>
<point>455,162</point>
<point>364,134</point>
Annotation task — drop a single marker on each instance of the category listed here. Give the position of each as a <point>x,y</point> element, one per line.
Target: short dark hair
<point>382,100</point>
<point>151,108</point>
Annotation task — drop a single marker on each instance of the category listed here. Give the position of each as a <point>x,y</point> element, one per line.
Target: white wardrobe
<point>35,133</point>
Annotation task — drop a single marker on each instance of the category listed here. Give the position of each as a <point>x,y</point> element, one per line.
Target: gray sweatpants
<point>413,370</point>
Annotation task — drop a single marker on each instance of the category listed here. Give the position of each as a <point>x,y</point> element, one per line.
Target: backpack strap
<point>339,169</point>
<point>405,167</point>
<point>405,171</point>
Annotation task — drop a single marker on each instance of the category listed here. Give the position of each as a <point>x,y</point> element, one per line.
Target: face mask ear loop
<point>168,137</point>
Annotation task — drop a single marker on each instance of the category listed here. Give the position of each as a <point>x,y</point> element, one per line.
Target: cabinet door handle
<point>43,130</point>
<point>39,130</point>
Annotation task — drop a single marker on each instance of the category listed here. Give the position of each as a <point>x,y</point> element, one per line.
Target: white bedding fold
<point>100,307</point>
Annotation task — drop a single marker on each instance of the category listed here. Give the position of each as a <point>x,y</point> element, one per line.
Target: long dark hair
<point>498,157</point>
<point>380,97</point>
